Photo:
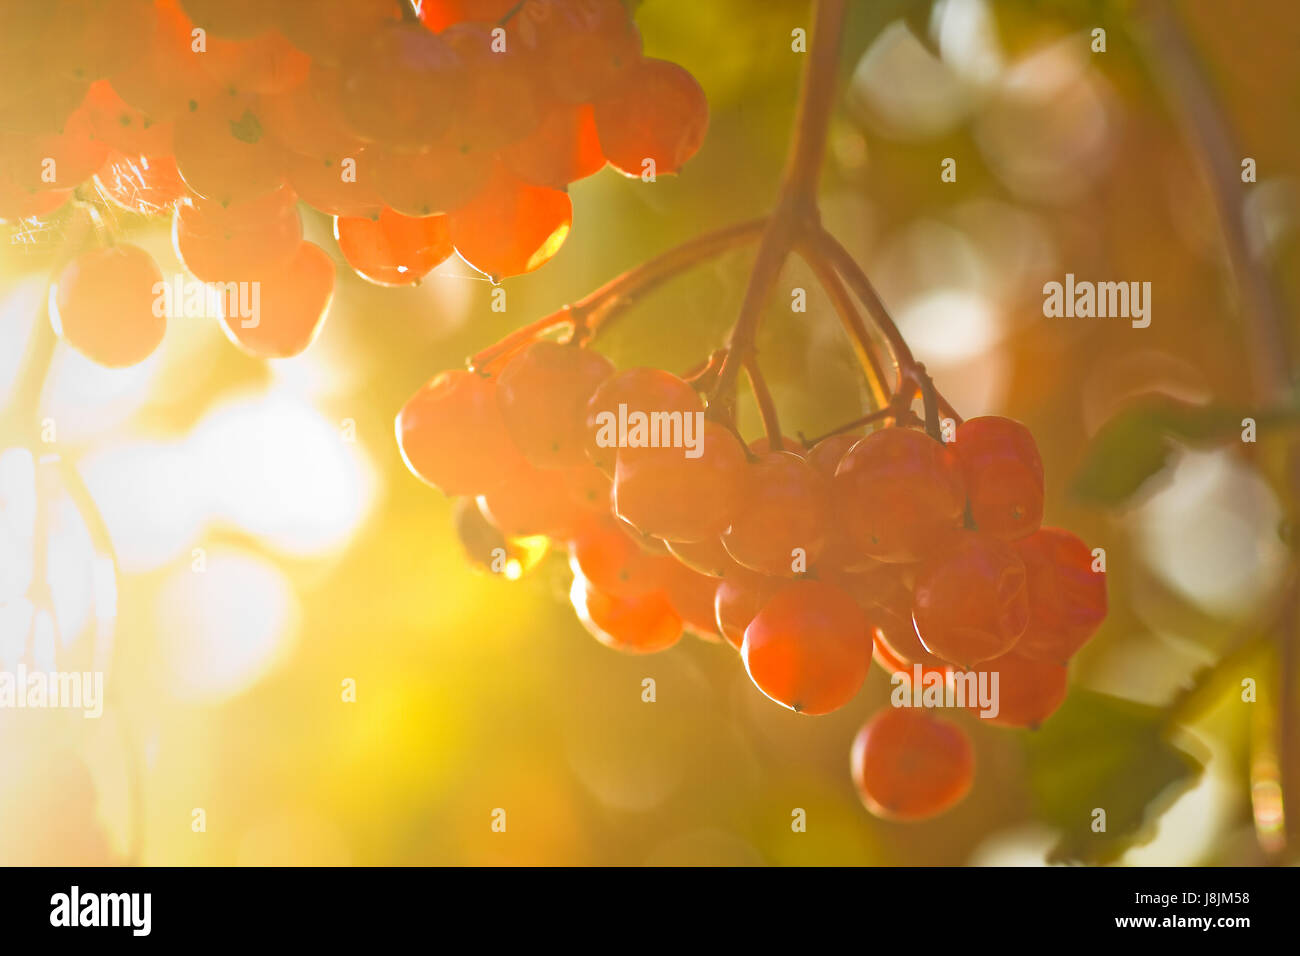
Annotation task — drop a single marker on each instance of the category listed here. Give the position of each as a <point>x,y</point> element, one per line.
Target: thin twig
<point>796,206</point>
<point>596,309</point>
<point>766,407</point>
<point>863,347</point>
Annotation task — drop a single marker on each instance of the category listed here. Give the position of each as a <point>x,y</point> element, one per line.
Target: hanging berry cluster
<point>423,129</point>
<point>808,560</point>
<point>880,540</point>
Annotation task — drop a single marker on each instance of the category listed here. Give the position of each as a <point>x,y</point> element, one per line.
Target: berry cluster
<point>423,129</point>
<point>809,561</point>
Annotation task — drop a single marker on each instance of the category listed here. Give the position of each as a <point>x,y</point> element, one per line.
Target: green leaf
<point>1104,752</point>
<point>1135,445</point>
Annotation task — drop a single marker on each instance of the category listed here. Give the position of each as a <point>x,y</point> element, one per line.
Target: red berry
<point>910,765</point>
<point>289,309</point>
<point>582,47</point>
<point>562,149</point>
<point>662,492</point>
<point>692,596</point>
<point>240,241</point>
<point>900,494</point>
<point>787,509</point>
<point>642,390</point>
<point>532,501</point>
<point>1003,474</point>
<point>438,15</point>
<point>658,112</point>
<point>738,598</point>
<point>511,227</point>
<point>451,434</point>
<point>1067,598</point>
<point>607,556</point>
<point>1028,691</point>
<point>971,603</point>
<point>107,305</point>
<point>590,488</point>
<point>499,102</point>
<point>438,179</point>
<point>230,18</point>
<point>826,455</point>
<point>394,249</point>
<point>400,85</point>
<point>543,392</point>
<point>639,625</point>
<point>123,127</point>
<point>324,184</point>
<point>266,64</point>
<point>887,600</point>
<point>706,556</point>
<point>809,647</point>
<point>223,151</point>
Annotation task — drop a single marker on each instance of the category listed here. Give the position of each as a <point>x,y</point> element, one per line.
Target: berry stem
<point>586,316</point>
<point>816,102</point>
<point>620,293</point>
<point>772,252</point>
<point>410,11</point>
<point>863,346</point>
<point>893,410</point>
<point>910,372</point>
<point>766,407</point>
<point>509,344</point>
<point>929,396</point>
<point>796,206</point>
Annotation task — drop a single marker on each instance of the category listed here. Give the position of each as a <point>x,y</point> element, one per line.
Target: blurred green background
<point>325,561</point>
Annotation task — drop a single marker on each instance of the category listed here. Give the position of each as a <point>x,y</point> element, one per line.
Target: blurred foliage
<point>1134,446</point>
<point>1101,752</point>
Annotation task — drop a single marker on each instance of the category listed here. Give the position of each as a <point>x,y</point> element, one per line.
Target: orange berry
<point>911,765</point>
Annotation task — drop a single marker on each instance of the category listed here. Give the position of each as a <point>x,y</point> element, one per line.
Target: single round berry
<point>1027,691</point>
<point>658,114</point>
<point>783,527</point>
<point>639,625</point>
<point>809,648</point>
<point>909,764</point>
<point>531,501</point>
<point>451,434</point>
<point>562,149</point>
<point>223,152</point>
<point>543,392</point>
<point>738,598</point>
<point>279,314</point>
<point>393,249</point>
<point>666,493</point>
<point>971,603</point>
<point>1067,598</point>
<point>239,241</point>
<point>618,405</point>
<point>511,227</point>
<point>606,554</point>
<point>107,305</point>
<point>399,85</point>
<point>692,595</point>
<point>1003,474</point>
<point>900,495</point>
